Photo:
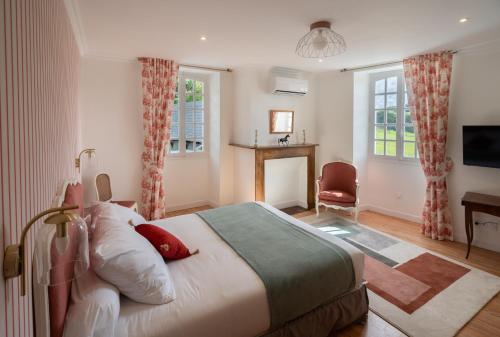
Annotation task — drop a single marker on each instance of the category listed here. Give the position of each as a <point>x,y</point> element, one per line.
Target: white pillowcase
<point>94,308</point>
<point>126,215</point>
<point>129,215</point>
<point>124,258</point>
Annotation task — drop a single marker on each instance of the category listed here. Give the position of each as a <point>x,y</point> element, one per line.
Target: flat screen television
<point>481,145</point>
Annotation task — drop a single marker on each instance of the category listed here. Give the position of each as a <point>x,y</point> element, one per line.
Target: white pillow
<point>128,215</point>
<point>94,308</point>
<point>126,259</point>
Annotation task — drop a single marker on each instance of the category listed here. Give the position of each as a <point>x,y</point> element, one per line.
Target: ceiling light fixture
<point>203,38</point>
<point>321,42</point>
<point>320,60</point>
<point>463,20</point>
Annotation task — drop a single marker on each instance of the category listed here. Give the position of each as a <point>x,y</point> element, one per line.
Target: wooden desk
<point>478,202</point>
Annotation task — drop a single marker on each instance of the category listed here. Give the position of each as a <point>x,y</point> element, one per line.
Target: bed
<point>219,294</point>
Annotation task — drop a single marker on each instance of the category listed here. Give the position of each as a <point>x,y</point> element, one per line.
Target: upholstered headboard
<point>51,302</point>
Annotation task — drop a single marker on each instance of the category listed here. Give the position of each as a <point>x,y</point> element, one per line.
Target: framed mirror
<point>281,121</point>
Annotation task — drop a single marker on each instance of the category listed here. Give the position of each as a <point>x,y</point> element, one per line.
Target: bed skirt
<point>328,318</point>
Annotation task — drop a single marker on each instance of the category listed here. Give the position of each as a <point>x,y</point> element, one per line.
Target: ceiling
<point>266,31</point>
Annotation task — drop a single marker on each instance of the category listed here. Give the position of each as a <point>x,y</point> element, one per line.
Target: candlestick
<point>303,136</point>
<point>256,135</point>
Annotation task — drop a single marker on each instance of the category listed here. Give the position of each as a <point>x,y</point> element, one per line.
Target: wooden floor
<point>187,211</point>
<point>293,210</point>
<point>485,324</point>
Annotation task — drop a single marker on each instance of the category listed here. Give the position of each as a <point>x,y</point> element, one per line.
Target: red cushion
<point>74,196</point>
<point>339,176</point>
<point>337,196</point>
<point>167,244</point>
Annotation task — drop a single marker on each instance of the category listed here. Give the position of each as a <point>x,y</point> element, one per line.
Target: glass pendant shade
<point>58,259</point>
<point>320,42</point>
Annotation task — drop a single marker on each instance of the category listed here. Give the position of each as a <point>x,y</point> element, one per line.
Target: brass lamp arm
<point>90,151</point>
<point>15,258</point>
<point>41,214</point>
<point>78,160</point>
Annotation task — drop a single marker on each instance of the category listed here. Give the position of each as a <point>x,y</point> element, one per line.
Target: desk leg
<point>471,226</point>
<point>468,222</point>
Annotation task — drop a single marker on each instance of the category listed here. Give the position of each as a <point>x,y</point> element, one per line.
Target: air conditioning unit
<point>289,86</point>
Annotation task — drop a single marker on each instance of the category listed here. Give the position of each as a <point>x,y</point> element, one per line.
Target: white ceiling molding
<point>76,24</point>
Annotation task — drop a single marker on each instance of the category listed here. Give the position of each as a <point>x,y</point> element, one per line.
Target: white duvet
<point>218,294</point>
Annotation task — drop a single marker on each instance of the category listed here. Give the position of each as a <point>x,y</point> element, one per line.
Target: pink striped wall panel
<point>39,128</point>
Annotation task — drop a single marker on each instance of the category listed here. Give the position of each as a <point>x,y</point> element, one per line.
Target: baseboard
<point>179,207</point>
<point>459,237</point>
<point>290,203</point>
<point>477,243</point>
<point>390,212</point>
<point>304,204</point>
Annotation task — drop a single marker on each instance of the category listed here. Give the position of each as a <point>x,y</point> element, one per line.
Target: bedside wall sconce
<point>89,152</point>
<point>14,261</point>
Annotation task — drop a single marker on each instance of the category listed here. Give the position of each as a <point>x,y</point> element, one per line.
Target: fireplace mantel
<point>265,152</point>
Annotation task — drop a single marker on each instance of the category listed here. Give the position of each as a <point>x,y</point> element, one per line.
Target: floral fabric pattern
<point>159,80</point>
<point>428,82</point>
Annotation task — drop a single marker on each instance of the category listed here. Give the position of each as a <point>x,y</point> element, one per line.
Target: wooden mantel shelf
<point>266,152</point>
<point>267,147</point>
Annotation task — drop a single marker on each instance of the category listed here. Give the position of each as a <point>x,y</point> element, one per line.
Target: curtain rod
<point>380,64</point>
<point>205,68</point>
<point>193,66</point>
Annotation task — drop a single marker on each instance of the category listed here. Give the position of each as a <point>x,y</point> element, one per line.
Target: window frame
<point>182,77</point>
<point>400,115</point>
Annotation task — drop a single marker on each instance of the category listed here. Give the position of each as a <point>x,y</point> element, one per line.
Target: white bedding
<point>218,294</point>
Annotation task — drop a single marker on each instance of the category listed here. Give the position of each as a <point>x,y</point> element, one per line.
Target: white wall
<point>252,102</point>
<point>226,171</point>
<point>334,119</point>
<point>286,182</point>
<point>110,106</point>
<point>360,128</point>
<point>474,100</point>
<point>221,154</point>
<point>111,112</point>
<point>394,188</point>
<point>244,175</point>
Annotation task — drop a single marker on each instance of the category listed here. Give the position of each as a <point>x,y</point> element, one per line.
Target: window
<point>392,132</point>
<point>189,117</point>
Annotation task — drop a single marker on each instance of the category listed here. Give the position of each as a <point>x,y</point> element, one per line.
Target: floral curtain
<point>428,83</point>
<point>159,79</point>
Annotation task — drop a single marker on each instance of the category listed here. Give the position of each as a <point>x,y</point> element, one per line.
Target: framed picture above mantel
<point>281,121</point>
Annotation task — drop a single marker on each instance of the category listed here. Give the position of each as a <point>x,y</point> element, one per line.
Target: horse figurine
<point>283,141</point>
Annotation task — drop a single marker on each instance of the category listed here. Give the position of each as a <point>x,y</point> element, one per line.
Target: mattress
<point>217,293</point>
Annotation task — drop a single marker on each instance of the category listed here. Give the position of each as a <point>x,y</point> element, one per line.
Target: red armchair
<point>337,187</point>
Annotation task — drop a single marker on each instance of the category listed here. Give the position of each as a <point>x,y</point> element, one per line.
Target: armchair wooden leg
<point>356,213</point>
<point>317,209</point>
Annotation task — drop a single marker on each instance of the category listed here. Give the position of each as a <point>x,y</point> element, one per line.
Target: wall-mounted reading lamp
<point>14,260</point>
<point>89,152</point>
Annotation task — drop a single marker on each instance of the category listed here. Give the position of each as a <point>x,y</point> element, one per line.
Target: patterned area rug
<point>420,292</point>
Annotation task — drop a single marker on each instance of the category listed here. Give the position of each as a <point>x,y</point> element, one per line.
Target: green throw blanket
<point>300,270</point>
